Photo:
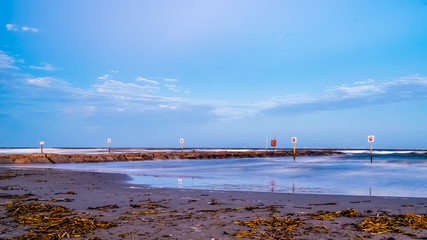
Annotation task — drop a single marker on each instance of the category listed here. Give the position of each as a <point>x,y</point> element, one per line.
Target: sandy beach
<point>118,210</point>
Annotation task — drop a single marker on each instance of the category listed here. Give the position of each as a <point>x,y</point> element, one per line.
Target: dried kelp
<point>275,222</point>
<point>245,234</point>
<point>377,225</point>
<point>276,233</point>
<point>52,222</point>
<point>277,228</point>
<point>17,208</point>
<point>351,213</point>
<point>412,220</point>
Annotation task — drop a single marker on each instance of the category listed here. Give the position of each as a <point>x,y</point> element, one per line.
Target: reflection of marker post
<point>41,146</point>
<point>109,145</point>
<point>371,140</point>
<point>182,144</point>
<point>294,140</point>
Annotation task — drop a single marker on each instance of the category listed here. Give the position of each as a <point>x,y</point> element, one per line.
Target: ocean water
<point>392,173</point>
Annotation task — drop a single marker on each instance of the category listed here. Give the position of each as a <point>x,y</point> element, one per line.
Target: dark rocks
<point>120,157</point>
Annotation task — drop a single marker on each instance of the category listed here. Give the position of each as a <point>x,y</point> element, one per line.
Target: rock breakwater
<point>49,158</point>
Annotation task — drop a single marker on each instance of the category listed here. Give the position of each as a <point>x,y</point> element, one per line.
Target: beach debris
<point>320,204</point>
<point>148,205</point>
<point>56,200</point>
<point>52,221</point>
<point>214,202</point>
<point>103,208</point>
<point>351,213</point>
<point>17,196</point>
<point>319,229</point>
<point>383,224</point>
<point>69,192</point>
<point>6,177</point>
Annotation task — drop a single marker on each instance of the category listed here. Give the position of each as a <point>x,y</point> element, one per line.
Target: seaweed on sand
<point>275,227</point>
<point>351,213</point>
<point>377,225</point>
<point>52,221</point>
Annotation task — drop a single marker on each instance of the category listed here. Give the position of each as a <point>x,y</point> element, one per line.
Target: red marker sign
<point>181,140</point>
<point>273,143</point>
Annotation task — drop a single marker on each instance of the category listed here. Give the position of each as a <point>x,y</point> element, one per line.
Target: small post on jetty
<point>109,145</point>
<point>182,144</point>
<point>41,146</point>
<point>371,140</point>
<point>294,140</point>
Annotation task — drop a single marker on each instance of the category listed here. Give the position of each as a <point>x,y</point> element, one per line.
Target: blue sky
<point>216,73</point>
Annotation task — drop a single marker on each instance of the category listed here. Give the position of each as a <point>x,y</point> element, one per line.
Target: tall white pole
<point>266,143</point>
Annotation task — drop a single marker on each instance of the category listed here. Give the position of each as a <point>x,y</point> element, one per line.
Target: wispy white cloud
<point>15,28</point>
<point>356,95</point>
<point>124,90</point>
<point>6,61</point>
<point>45,66</point>
<point>29,29</point>
<point>141,79</point>
<point>105,77</point>
<point>11,27</point>
<point>44,82</point>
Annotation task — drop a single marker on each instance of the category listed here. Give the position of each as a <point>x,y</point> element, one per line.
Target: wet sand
<point>141,212</point>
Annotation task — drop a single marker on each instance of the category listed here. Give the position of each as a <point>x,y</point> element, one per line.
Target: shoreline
<point>142,212</point>
<point>49,158</point>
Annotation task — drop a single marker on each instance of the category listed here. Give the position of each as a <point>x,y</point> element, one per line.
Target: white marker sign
<point>109,140</point>
<point>371,138</point>
<point>294,139</point>
<point>181,140</point>
<point>41,142</point>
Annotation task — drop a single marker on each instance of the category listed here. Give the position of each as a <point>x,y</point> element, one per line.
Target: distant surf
<point>392,173</point>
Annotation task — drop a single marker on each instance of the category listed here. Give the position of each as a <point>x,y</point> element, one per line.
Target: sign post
<point>273,143</point>
<point>41,146</point>
<point>182,144</point>
<point>109,145</point>
<point>371,140</point>
<point>294,140</point>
